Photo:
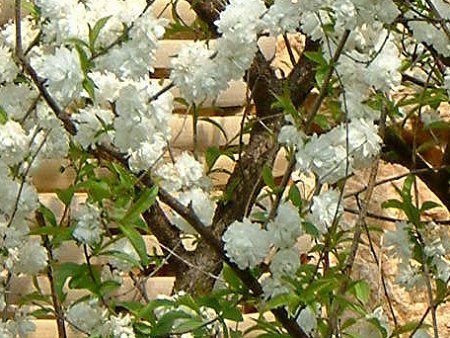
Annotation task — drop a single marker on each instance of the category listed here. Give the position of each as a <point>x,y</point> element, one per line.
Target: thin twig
<point>327,79</point>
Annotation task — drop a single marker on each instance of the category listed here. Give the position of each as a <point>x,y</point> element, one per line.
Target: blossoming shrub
<point>75,85</point>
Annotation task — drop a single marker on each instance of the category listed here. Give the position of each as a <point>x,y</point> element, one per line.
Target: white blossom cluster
<point>247,245</point>
<point>88,224</point>
<point>326,208</point>
<point>335,154</point>
<point>436,247</point>
<point>90,317</point>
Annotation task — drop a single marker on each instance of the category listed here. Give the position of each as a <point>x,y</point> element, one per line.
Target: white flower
<point>186,172</point>
<point>13,143</point>
<point>421,333</point>
<point>364,142</point>
<point>202,205</point>
<point>246,243</point>
<point>307,320</point>
<point>8,69</point>
<point>383,73</point>
<point>196,74</point>
<point>149,153</point>
<point>430,116</point>
<point>285,263</point>
<point>91,124</point>
<point>189,169</point>
<point>283,16</point>
<point>286,227</point>
<point>398,241</point>
<point>427,33</point>
<point>32,258</point>
<point>55,8</point>
<point>118,327</point>
<point>241,15</point>
<point>123,246</point>
<point>291,136</point>
<point>86,315</point>
<point>326,156</point>
<point>88,224</point>
<point>447,81</point>
<point>62,71</point>
<point>107,86</point>
<point>16,99</point>
<point>9,192</point>
<point>324,209</point>
<point>273,287</point>
<point>134,58</point>
<point>28,29</point>
<point>54,136</point>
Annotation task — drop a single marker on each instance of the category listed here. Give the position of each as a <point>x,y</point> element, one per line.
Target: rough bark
<point>245,183</point>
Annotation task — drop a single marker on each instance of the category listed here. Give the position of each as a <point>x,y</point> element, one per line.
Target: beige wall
<point>6,10</point>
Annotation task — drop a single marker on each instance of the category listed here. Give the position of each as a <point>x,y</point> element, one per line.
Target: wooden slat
<point>154,286</point>
<point>170,48</point>
<point>160,8</point>
<point>163,9</point>
<point>47,178</point>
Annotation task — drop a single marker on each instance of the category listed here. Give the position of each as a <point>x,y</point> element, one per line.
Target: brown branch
<point>60,323</point>
<point>403,155</point>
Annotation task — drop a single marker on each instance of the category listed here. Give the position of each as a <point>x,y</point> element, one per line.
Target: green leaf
<point>61,273</point>
<point>427,205</point>
<point>321,121</point>
<point>137,241</point>
<point>188,326</point>
<point>84,59</point>
<point>145,201</point>
<point>284,102</point>
<point>211,156</point>
<point>280,301</point>
<point>231,278</point>
<point>3,116</point>
<point>164,325</point>
<point>94,32</point>
<point>408,327</point>
<point>66,195</point>
<point>311,229</point>
<point>295,196</point>
<point>231,312</point>
<point>49,216</point>
<point>89,87</point>
<point>394,204</point>
<point>362,291</point>
<point>268,177</point>
<point>98,190</point>
<point>121,256</point>
<point>316,57</point>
